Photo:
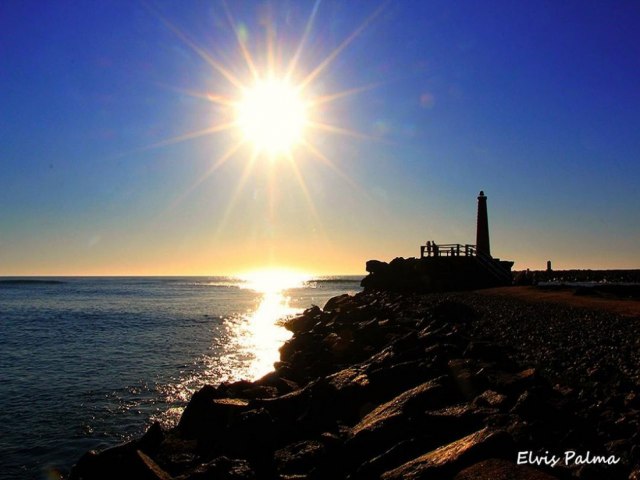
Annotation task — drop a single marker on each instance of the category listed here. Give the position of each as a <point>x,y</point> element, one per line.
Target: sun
<point>272,116</point>
<point>274,102</point>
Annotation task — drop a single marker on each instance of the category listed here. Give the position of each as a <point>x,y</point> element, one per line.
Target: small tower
<point>482,227</point>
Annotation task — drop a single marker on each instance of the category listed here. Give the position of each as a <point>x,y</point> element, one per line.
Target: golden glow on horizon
<point>272,116</point>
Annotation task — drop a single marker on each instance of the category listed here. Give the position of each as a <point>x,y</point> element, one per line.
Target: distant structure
<point>444,267</point>
<point>499,270</point>
<point>482,226</point>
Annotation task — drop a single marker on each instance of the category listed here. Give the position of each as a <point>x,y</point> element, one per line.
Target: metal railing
<point>432,249</point>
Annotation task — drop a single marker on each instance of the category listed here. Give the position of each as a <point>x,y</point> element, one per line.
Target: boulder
<point>337,302</point>
<point>376,266</point>
<point>275,380</point>
<point>500,469</point>
<point>453,421</point>
<point>123,461</point>
<point>304,322</point>
<point>393,421</point>
<point>489,398</point>
<point>222,468</point>
<point>299,457</point>
<point>412,401</point>
<point>207,418</point>
<point>446,460</point>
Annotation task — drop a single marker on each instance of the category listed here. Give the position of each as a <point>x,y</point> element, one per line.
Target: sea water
<point>87,363</point>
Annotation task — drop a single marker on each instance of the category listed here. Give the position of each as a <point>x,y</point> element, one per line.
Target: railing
<point>447,250</point>
<point>432,249</point>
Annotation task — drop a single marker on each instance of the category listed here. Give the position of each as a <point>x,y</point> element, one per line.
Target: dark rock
<point>465,377</point>
<point>376,266</point>
<point>451,422</point>
<point>454,312</point>
<point>246,390</point>
<point>176,454</point>
<point>337,302</point>
<point>500,469</point>
<point>392,421</point>
<point>275,380</point>
<point>150,470</point>
<point>123,461</point>
<point>300,457</point>
<point>395,456</point>
<point>152,439</point>
<point>513,383</point>
<point>207,418</point>
<point>252,434</point>
<point>394,379</point>
<point>489,398</point>
<point>302,323</point>
<point>434,274</point>
<point>487,351</point>
<point>446,460</point>
<point>222,468</point>
<point>535,404</point>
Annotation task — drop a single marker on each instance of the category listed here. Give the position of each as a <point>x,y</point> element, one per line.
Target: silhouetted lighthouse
<point>482,229</point>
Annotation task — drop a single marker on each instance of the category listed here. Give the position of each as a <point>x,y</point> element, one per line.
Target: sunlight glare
<point>272,116</point>
<point>274,280</point>
<point>261,333</point>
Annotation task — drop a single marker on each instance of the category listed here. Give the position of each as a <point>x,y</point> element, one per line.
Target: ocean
<point>88,363</point>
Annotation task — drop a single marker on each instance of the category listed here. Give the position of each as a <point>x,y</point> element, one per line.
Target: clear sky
<point>424,104</point>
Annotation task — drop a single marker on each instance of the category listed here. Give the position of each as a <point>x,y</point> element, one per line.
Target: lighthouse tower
<point>482,227</point>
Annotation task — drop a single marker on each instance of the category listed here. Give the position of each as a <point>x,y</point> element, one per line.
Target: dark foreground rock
<point>405,386</point>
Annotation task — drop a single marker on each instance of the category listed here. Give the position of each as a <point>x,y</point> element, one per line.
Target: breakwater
<point>391,386</point>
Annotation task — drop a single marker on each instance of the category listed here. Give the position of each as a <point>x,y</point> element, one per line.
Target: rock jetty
<point>437,274</point>
<point>386,385</point>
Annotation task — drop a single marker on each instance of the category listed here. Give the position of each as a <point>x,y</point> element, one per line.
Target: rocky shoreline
<point>390,386</point>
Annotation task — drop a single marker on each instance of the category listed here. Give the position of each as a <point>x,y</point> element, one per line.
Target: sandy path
<point>532,294</point>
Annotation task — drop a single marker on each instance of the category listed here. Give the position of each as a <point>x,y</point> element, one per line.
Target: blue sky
<point>536,103</point>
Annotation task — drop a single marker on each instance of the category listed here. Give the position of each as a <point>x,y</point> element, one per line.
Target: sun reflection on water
<point>261,332</point>
<point>246,346</point>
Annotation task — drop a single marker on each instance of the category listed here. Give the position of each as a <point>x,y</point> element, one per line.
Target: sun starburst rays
<point>272,116</point>
<point>273,109</point>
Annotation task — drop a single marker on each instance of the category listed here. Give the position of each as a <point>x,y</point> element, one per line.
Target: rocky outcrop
<point>394,386</point>
<point>436,274</point>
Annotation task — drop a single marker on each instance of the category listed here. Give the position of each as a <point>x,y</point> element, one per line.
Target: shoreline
<point>398,385</point>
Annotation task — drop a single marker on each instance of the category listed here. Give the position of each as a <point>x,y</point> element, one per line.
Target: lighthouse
<point>482,226</point>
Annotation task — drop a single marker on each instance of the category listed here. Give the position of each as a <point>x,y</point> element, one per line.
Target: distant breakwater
<point>577,275</point>
<point>392,386</point>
